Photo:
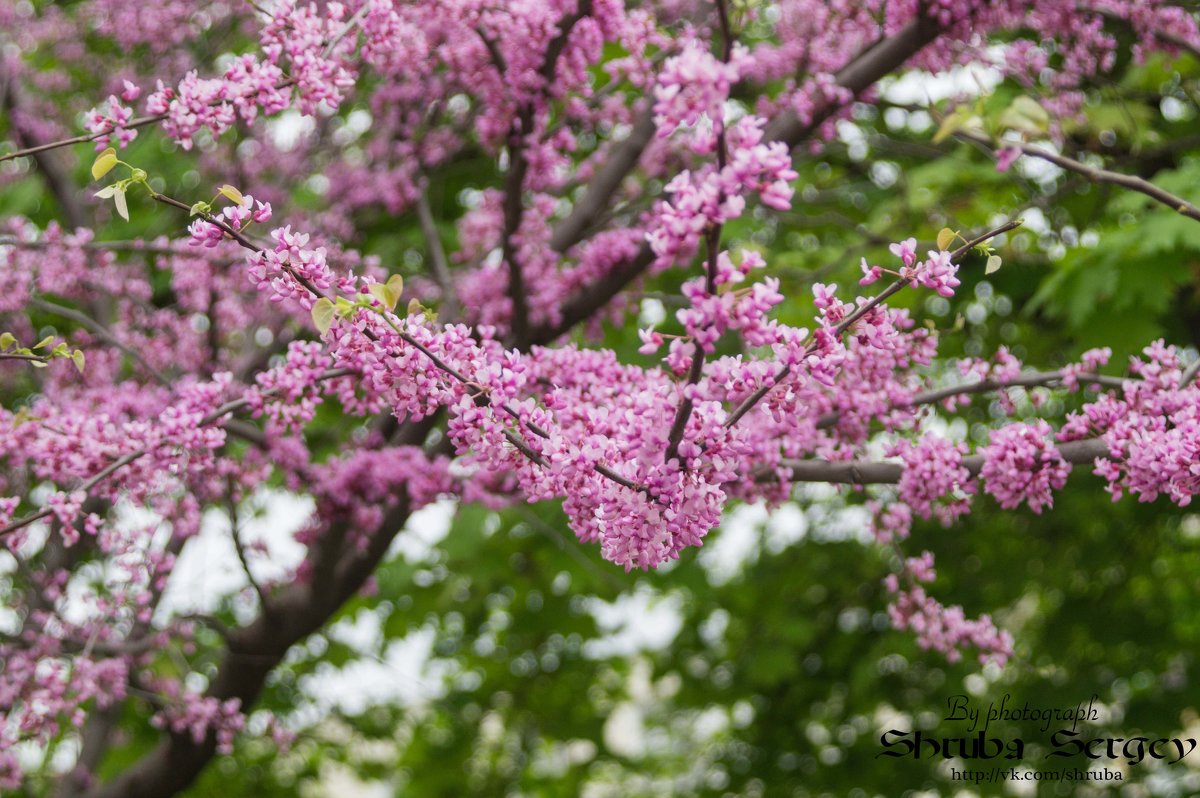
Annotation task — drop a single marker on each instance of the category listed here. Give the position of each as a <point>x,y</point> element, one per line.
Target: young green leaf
<point>104,163</point>
<point>232,194</point>
<point>380,292</point>
<point>1024,114</point>
<point>945,238</point>
<point>77,359</point>
<point>993,264</point>
<point>322,314</point>
<point>395,285</point>
<point>392,290</point>
<point>6,340</point>
<point>44,342</point>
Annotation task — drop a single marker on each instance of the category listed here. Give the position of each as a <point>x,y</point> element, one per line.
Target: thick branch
<point>254,651</point>
<point>514,184</point>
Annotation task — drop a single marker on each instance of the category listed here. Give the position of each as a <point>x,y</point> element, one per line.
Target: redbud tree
<point>245,272</point>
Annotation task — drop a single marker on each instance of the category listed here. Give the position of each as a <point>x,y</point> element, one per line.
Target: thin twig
<point>440,264</point>
<point>857,314</point>
<point>102,331</point>
<point>240,548</point>
<point>1095,174</point>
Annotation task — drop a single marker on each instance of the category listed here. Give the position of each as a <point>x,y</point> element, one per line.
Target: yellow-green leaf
<point>1026,115</point>
<point>6,340</point>
<point>380,292</point>
<point>395,285</point>
<point>945,238</point>
<point>993,264</point>
<point>232,194</point>
<point>44,342</point>
<point>104,163</point>
<point>322,314</point>
<point>77,359</point>
<point>414,307</point>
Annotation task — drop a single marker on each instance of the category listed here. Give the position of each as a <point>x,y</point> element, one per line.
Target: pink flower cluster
<point>1021,464</point>
<point>279,271</point>
<point>941,628</point>
<point>314,48</point>
<point>710,196</point>
<point>695,84</point>
<point>199,715</point>
<point>248,87</point>
<point>290,393</point>
<point>112,122</point>
<point>934,482</point>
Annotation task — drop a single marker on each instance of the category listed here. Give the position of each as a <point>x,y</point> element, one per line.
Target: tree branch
<point>861,472</point>
<point>1095,174</point>
<point>1030,380</point>
<point>860,73</point>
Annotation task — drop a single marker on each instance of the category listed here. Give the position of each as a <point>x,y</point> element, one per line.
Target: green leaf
<point>106,192</point>
<point>199,208</point>
<point>961,119</point>
<point>119,201</point>
<point>1025,115</point>
<point>993,264</point>
<point>77,359</point>
<point>231,194</point>
<point>322,314</point>
<point>6,340</point>
<point>380,292</point>
<point>44,342</point>
<point>946,237</point>
<point>395,285</point>
<point>104,163</point>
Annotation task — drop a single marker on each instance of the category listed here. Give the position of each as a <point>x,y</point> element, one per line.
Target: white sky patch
<point>288,128</point>
<point>426,528</point>
<point>644,620</point>
<point>727,553</point>
<point>208,567</point>
<point>404,674</point>
<point>922,88</point>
